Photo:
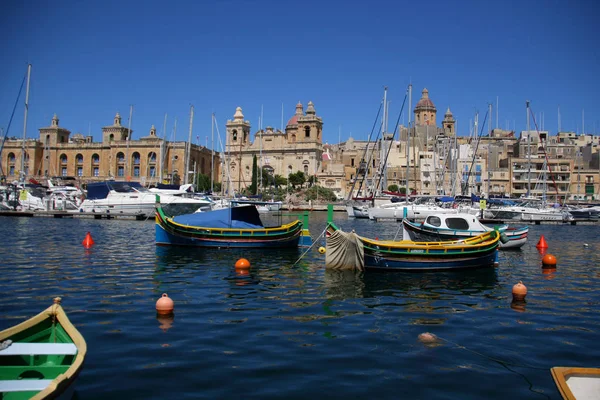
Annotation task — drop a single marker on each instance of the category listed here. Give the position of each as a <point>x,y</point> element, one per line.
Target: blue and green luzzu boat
<point>407,255</point>
<point>229,227</point>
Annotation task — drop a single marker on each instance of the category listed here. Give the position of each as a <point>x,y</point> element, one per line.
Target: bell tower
<point>449,123</point>
<point>425,111</point>
<point>238,131</point>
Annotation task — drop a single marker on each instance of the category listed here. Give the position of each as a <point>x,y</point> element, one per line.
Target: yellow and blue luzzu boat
<point>229,227</point>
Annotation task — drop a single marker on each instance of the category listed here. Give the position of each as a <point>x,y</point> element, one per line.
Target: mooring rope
<point>311,246</point>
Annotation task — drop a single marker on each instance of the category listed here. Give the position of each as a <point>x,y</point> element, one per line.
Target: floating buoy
<point>322,250</point>
<point>428,338</point>
<point>519,291</point>
<point>549,261</point>
<point>88,241</point>
<point>164,305</point>
<point>242,263</point>
<point>542,243</point>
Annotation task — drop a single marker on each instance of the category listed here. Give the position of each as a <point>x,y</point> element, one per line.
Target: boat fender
<point>493,234</point>
<point>5,344</point>
<point>503,238</point>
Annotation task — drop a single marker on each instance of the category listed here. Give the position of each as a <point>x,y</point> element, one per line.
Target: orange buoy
<point>519,291</point>
<point>242,263</point>
<point>542,243</point>
<point>428,338</point>
<point>164,305</point>
<point>549,261</point>
<point>88,241</point>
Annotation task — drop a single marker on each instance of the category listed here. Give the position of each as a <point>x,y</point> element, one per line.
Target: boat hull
<point>383,262</point>
<point>577,383</point>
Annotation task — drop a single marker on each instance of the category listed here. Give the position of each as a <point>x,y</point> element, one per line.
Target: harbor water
<point>286,331</point>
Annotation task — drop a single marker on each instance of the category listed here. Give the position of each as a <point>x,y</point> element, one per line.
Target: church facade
<point>299,148</point>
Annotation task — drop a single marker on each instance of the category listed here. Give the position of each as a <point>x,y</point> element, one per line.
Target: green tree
<point>280,181</point>
<point>312,180</point>
<point>254,185</point>
<point>393,188</point>
<point>202,183</point>
<point>402,190</point>
<point>321,193</point>
<point>267,177</point>
<point>297,178</point>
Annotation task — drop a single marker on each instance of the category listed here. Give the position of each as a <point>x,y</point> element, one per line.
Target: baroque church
<point>299,148</point>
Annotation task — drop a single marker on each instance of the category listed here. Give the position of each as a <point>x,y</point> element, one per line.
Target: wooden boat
<point>441,227</point>
<point>407,255</point>
<point>577,383</point>
<point>229,227</point>
<point>44,358</point>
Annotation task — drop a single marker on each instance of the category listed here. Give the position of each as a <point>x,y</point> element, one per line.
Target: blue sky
<point>92,59</point>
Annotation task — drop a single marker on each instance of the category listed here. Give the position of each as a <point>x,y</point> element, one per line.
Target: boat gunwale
<point>62,381</point>
<point>560,374</point>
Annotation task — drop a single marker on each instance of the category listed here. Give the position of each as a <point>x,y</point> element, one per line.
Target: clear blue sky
<point>92,59</point>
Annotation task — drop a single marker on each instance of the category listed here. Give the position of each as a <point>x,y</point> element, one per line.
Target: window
<point>306,170</point>
<point>152,157</point>
<point>11,170</point>
<point>111,137</point>
<point>64,171</point>
<point>234,135</point>
<point>457,223</point>
<point>352,162</point>
<point>152,170</point>
<point>96,171</point>
<point>136,171</point>
<point>121,171</point>
<point>307,131</point>
<point>79,171</point>
<point>434,221</point>
<point>120,157</point>
<point>136,158</point>
<point>11,157</point>
<point>63,158</point>
<point>79,159</point>
<point>95,159</point>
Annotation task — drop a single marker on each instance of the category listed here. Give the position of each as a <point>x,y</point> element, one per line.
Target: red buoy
<point>242,263</point>
<point>542,243</point>
<point>549,261</point>
<point>88,241</point>
<point>164,305</point>
<point>519,291</point>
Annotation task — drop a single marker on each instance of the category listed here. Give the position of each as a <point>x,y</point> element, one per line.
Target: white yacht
<point>131,198</point>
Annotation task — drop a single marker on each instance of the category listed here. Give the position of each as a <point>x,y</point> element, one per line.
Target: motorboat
<point>131,198</point>
<point>444,227</point>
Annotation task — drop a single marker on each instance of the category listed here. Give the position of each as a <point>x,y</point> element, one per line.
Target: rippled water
<point>287,331</point>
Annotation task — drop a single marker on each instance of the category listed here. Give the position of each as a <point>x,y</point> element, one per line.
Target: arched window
<point>95,159</point>
<point>306,170</point>
<point>234,135</point>
<point>63,159</point>
<point>307,131</point>
<point>11,157</point>
<point>63,164</point>
<point>111,138</point>
<point>47,139</point>
<point>152,157</point>
<point>120,164</point>
<point>120,157</point>
<point>136,158</point>
<point>79,159</point>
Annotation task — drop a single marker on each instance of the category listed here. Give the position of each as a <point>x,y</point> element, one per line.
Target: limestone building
<point>299,148</point>
<point>149,159</point>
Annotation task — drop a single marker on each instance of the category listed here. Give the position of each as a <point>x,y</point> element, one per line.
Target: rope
<point>315,242</point>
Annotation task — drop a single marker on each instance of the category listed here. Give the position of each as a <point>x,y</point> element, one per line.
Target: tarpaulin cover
<point>344,251</point>
<point>244,217</point>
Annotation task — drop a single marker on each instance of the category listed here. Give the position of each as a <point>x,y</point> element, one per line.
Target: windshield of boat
<point>128,187</point>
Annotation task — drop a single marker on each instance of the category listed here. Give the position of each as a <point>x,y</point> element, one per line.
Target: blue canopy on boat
<point>244,217</point>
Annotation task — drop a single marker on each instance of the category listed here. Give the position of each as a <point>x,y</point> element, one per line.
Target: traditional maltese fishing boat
<point>442,227</point>
<point>229,227</point>
<point>348,250</point>
<point>577,383</point>
<point>40,358</point>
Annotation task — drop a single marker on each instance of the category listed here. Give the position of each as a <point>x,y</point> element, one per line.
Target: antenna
<point>559,128</point>
<point>497,107</point>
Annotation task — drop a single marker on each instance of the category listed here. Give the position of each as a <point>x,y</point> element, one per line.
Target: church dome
<point>425,103</point>
<point>293,120</point>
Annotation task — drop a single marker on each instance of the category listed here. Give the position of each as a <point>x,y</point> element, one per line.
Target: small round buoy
<point>322,250</point>
<point>242,263</point>
<point>519,291</point>
<point>428,338</point>
<point>88,241</point>
<point>164,305</point>
<point>549,261</point>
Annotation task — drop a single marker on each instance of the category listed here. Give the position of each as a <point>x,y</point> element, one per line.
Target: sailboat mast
<point>25,125</point>
<point>128,135</point>
<point>407,193</point>
<point>260,177</point>
<point>163,150</point>
<point>212,155</point>
<point>188,146</point>
<point>489,172</point>
<point>528,153</point>
<point>383,149</point>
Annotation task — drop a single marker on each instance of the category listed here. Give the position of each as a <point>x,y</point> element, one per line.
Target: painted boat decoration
<point>577,383</point>
<point>406,255</point>
<point>442,227</point>
<point>40,358</point>
<point>229,227</point>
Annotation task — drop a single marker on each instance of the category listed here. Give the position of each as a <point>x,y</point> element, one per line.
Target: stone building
<point>299,148</point>
<point>148,160</point>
